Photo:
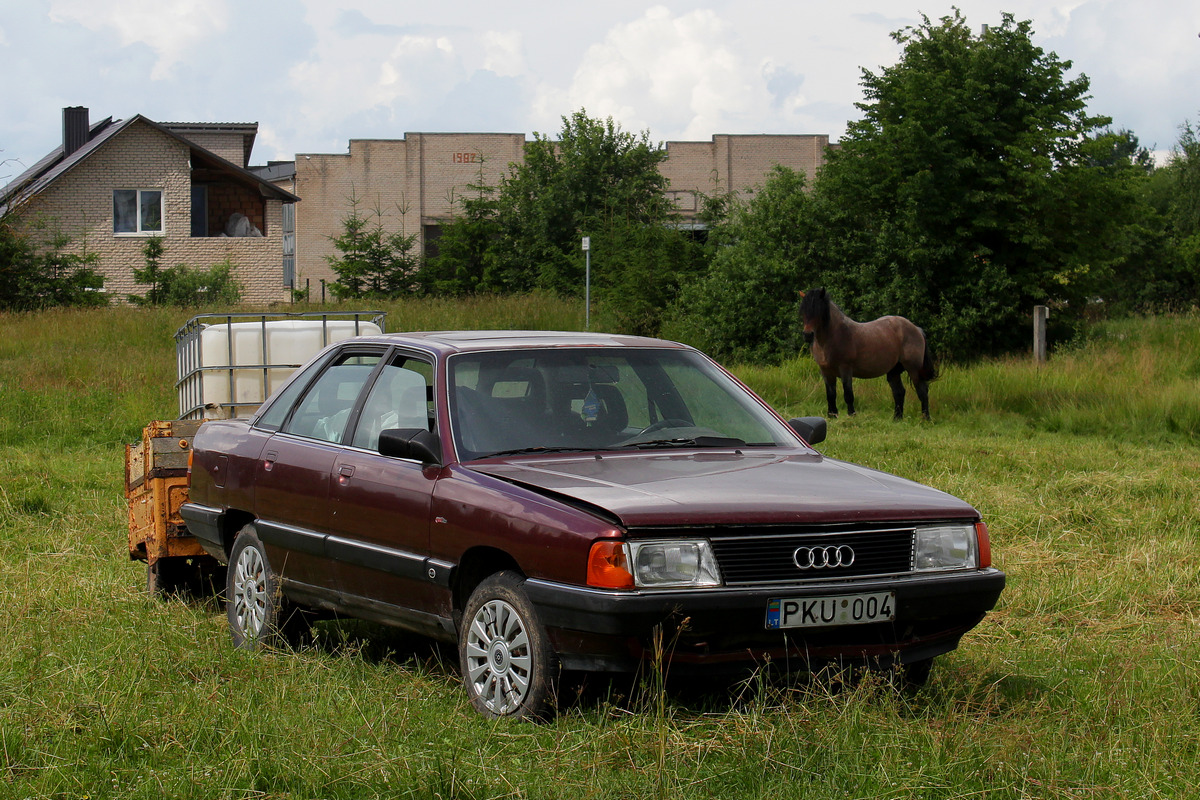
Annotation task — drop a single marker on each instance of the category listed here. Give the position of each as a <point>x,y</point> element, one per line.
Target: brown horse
<point>845,349</point>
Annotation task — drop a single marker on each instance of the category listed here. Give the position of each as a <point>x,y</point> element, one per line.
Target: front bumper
<point>597,629</point>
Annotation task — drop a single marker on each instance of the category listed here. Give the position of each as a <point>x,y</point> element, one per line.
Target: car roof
<point>449,342</point>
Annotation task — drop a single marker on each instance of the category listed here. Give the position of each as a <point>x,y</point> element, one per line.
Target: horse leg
<point>922,387</point>
<point>831,395</point>
<point>848,392</point>
<point>893,379</point>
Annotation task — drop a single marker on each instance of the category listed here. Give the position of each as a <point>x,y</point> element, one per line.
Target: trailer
<point>227,366</point>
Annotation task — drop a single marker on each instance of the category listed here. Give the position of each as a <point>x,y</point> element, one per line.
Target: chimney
<point>75,129</point>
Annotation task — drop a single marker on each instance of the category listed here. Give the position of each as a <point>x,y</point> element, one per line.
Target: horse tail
<point>928,370</point>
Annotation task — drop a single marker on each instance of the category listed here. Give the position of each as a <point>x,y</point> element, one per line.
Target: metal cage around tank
<point>228,364</point>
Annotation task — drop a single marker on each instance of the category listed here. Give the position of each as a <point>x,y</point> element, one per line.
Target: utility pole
<point>587,283</point>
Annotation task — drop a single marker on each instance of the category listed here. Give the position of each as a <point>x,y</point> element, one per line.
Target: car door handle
<point>344,473</point>
<point>269,460</point>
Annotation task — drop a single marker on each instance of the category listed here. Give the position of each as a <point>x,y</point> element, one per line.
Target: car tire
<point>259,615</point>
<point>508,666</point>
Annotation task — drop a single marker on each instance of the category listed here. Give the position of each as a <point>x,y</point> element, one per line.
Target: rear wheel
<point>259,615</point>
<point>508,666</point>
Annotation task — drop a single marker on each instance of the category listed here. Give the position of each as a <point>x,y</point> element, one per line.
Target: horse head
<point>814,312</point>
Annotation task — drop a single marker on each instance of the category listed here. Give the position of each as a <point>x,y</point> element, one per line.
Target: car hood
<point>724,487</point>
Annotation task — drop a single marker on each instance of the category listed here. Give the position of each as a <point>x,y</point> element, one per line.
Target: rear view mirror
<point>811,429</point>
<point>417,444</point>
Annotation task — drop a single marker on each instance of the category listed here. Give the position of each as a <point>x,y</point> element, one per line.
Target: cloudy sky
<point>316,73</point>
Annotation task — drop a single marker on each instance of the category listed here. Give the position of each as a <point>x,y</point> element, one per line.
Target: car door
<point>380,506</point>
<point>292,476</point>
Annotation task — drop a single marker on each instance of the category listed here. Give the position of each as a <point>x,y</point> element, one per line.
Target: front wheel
<point>915,674</point>
<point>508,666</point>
<point>258,612</point>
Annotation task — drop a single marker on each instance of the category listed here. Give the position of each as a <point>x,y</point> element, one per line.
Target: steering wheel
<point>670,422</point>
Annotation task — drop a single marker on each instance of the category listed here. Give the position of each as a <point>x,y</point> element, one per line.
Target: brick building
<point>113,184</point>
<point>414,181</point>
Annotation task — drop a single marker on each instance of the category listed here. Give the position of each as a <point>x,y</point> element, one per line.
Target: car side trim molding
<point>288,537</point>
<point>372,556</point>
<point>390,560</point>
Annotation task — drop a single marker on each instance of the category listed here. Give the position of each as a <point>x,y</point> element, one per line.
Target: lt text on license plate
<point>831,610</point>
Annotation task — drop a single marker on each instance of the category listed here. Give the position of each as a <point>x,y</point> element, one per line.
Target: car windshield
<point>555,400</point>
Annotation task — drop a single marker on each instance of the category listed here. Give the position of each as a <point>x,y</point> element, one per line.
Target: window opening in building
<point>137,211</point>
<point>289,245</point>
<point>199,210</point>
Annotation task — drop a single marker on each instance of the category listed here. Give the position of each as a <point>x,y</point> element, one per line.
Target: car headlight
<point>674,563</point>
<point>945,547</point>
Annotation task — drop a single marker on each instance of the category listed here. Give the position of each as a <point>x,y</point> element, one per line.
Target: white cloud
<point>381,74</point>
<point>320,72</point>
<point>677,74</point>
<point>171,28</point>
<point>503,53</point>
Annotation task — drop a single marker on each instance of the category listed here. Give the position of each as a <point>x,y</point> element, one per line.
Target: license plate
<point>831,610</point>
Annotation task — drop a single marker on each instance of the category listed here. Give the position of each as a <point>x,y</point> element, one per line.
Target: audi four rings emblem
<point>823,557</point>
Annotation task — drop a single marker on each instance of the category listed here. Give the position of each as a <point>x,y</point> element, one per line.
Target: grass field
<point>1085,682</point>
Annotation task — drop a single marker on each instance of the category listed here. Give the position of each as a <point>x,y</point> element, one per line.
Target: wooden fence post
<point>1040,313</point>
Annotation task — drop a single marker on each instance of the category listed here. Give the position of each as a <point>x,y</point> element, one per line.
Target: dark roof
<point>248,130</point>
<point>275,170</point>
<point>38,177</point>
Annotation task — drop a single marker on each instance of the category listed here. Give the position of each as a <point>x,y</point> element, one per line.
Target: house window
<point>137,211</point>
<point>289,245</point>
<point>199,209</point>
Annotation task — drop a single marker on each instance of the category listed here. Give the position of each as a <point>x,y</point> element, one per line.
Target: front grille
<point>757,557</point>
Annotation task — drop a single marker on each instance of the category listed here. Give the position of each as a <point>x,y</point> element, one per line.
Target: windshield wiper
<point>520,451</point>
<point>696,441</point>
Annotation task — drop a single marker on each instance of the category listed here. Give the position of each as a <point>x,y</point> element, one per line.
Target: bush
<point>183,286</point>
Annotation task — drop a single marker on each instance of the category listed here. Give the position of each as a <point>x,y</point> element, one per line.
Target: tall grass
<point>1085,682</point>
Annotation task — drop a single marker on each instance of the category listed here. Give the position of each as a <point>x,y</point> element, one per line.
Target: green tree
<point>1184,167</point>
<point>466,258</point>
<point>42,273</point>
<point>745,306</point>
<point>151,273</point>
<point>599,181</point>
<point>963,195</point>
<point>373,262</point>
<point>1136,264</point>
<point>1175,192</point>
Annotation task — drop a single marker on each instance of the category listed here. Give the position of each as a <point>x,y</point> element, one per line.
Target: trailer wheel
<point>161,579</point>
<point>195,577</point>
<point>259,615</point>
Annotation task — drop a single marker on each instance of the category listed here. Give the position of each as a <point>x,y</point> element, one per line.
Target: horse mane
<point>815,305</point>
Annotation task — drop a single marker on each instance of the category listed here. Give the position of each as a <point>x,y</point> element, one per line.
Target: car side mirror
<point>417,444</point>
<point>811,429</point>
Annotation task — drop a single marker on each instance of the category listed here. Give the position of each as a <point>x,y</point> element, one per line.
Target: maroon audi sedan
<point>563,501</point>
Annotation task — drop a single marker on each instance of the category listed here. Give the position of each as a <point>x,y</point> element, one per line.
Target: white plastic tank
<point>230,368</point>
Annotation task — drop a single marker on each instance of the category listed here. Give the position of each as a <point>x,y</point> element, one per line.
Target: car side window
<point>401,398</point>
<point>324,410</point>
<point>275,414</point>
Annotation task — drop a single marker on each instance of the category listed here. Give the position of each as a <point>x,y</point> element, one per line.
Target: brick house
<point>112,184</point>
<point>415,181</point>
